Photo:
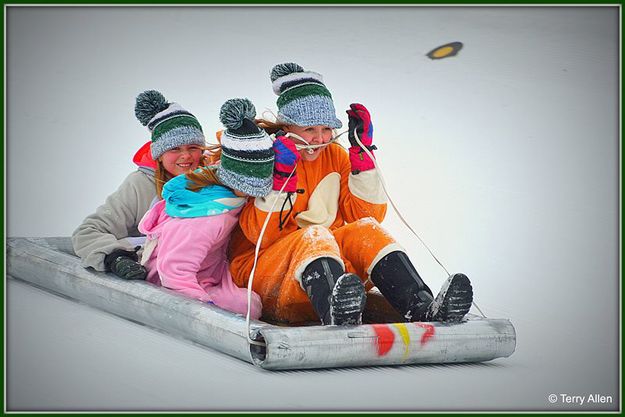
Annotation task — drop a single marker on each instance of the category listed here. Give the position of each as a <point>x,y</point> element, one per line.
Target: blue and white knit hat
<point>171,125</point>
<point>303,98</point>
<point>246,151</point>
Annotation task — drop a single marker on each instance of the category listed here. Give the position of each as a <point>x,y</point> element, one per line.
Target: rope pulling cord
<point>309,149</point>
<point>251,277</point>
<point>379,173</point>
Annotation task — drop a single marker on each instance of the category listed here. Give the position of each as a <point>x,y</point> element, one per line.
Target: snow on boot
<point>400,283</point>
<point>348,301</point>
<point>453,301</point>
<point>336,297</point>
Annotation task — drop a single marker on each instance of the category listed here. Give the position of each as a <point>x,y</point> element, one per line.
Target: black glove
<point>124,264</point>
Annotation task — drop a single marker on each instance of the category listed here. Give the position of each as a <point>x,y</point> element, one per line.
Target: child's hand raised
<point>285,162</point>
<point>360,123</point>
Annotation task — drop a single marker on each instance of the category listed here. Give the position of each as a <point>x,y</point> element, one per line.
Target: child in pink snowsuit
<point>189,230</point>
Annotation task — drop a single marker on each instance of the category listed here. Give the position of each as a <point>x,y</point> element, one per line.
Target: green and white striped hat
<point>303,98</point>
<point>171,125</point>
<point>247,155</point>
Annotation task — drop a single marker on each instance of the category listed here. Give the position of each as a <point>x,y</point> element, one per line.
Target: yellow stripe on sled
<point>405,337</point>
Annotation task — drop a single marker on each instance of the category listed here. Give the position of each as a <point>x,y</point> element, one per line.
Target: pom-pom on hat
<point>171,125</point>
<point>303,98</point>
<point>246,151</point>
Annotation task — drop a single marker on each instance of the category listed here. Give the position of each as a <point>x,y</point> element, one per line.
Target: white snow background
<point>505,159</point>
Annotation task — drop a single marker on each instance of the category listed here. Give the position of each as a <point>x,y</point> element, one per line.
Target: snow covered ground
<point>504,158</point>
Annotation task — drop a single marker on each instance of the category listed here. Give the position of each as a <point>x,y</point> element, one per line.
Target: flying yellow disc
<point>445,51</point>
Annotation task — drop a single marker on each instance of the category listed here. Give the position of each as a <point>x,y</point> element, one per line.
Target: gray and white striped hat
<point>303,98</point>
<point>247,154</point>
<point>171,125</point>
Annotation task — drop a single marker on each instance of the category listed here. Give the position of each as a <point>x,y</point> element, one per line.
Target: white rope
<point>262,232</point>
<point>263,115</point>
<point>267,218</point>
<point>379,173</point>
<point>308,147</point>
<point>479,309</point>
<point>251,277</point>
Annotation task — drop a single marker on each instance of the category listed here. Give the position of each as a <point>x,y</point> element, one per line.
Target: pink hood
<point>153,221</point>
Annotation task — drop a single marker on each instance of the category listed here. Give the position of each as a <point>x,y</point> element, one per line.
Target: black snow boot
<point>336,297</point>
<point>400,283</point>
<point>453,301</point>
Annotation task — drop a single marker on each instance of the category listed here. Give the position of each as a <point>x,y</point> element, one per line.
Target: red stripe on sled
<point>427,334</point>
<point>386,338</point>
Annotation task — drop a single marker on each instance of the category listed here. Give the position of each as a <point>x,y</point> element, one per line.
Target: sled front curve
<point>49,263</point>
<point>475,340</point>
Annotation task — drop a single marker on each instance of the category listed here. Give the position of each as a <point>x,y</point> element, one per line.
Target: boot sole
<point>457,300</point>
<point>347,301</point>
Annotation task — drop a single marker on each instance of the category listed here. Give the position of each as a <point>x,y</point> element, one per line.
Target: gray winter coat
<point>114,224</point>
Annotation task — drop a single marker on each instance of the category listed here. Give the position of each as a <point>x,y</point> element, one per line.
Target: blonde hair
<point>214,154</point>
<point>161,176</point>
<point>202,177</point>
<point>269,126</point>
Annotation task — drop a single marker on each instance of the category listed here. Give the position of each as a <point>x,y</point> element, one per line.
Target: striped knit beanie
<point>246,150</point>
<point>171,125</point>
<point>303,98</point>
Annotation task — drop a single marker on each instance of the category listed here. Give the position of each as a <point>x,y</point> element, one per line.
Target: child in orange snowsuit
<point>323,247</point>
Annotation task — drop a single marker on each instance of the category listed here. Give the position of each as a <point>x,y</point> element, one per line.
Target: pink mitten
<point>360,121</point>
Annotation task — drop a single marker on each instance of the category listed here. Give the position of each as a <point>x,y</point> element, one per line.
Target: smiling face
<point>314,135</point>
<point>181,159</point>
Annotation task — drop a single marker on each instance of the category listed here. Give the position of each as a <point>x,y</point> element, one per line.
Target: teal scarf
<point>208,201</point>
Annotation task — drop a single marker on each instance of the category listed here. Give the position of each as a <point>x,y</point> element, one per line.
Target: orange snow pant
<point>277,278</point>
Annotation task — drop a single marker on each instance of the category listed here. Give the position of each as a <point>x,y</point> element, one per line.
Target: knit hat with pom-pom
<point>246,151</point>
<point>171,125</point>
<point>303,98</point>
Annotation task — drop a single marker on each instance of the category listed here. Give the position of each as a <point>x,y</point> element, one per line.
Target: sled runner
<point>49,263</point>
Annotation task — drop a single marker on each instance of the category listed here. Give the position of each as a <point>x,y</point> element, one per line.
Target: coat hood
<point>153,221</point>
<point>143,157</point>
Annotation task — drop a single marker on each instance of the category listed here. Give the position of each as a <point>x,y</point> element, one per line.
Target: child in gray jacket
<point>108,240</point>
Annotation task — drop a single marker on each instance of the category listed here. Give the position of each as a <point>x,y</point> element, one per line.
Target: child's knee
<point>366,225</point>
<point>319,236</point>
